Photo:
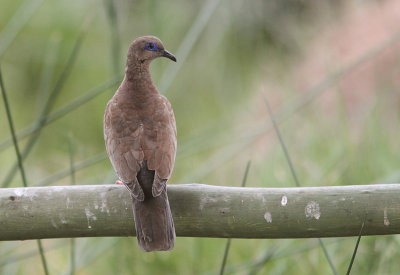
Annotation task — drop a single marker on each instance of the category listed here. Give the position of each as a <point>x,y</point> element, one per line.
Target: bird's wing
<point>122,136</point>
<point>159,143</point>
<point>132,137</point>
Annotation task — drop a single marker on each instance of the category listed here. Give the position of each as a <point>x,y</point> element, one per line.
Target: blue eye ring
<point>151,46</point>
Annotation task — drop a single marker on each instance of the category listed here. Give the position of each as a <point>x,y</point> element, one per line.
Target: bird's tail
<point>155,229</point>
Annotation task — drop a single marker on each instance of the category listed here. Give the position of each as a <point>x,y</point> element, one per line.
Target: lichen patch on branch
<point>89,216</point>
<point>205,200</point>
<point>268,217</point>
<point>386,221</point>
<point>312,210</point>
<point>23,192</point>
<point>104,205</point>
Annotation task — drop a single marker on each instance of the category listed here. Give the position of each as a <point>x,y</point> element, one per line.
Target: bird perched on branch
<point>140,138</point>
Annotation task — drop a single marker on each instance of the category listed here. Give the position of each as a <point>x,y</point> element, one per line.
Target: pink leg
<point>119,182</point>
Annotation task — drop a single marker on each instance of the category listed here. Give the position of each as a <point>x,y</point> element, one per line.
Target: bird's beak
<point>169,55</point>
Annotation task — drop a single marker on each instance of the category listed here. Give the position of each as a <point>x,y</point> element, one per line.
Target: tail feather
<point>155,229</point>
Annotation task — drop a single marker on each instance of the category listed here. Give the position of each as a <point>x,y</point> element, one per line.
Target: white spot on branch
<point>312,210</point>
<point>104,206</point>
<point>205,200</point>
<point>89,216</point>
<point>19,192</point>
<point>259,196</point>
<point>58,188</point>
<point>268,217</point>
<point>62,218</point>
<point>23,192</point>
<point>386,221</point>
<point>284,201</point>
<point>53,223</point>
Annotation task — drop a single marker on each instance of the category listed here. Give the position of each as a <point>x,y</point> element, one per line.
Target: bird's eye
<point>151,46</point>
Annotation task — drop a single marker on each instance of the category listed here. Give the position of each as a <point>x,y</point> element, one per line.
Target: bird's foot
<point>119,182</point>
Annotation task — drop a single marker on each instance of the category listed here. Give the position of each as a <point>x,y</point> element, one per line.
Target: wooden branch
<point>203,211</point>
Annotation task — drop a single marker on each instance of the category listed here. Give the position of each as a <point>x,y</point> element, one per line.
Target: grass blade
<point>327,256</point>
<point>11,125</point>
<point>73,181</point>
<point>268,255</point>
<point>47,73</point>
<point>287,111</point>
<point>86,97</point>
<point>27,253</point>
<point>285,151</point>
<point>115,45</point>
<point>43,257</point>
<point>228,241</point>
<point>355,249</point>
<point>49,104</point>
<point>187,43</point>
<point>16,23</point>
<point>19,160</point>
<point>226,251</point>
<point>72,256</point>
<point>91,249</point>
<point>66,172</point>
<point>294,174</point>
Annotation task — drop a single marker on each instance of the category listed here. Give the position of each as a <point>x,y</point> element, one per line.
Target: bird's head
<point>147,48</point>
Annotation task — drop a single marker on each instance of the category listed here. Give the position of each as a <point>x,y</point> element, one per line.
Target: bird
<point>141,140</point>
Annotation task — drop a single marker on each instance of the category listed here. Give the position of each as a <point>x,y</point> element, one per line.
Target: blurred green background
<point>330,69</point>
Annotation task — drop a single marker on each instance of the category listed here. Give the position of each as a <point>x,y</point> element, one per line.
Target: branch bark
<point>203,211</point>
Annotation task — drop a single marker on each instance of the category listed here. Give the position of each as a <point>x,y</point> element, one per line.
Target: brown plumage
<point>140,137</point>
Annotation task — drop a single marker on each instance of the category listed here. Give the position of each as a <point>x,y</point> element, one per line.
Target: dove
<point>141,139</point>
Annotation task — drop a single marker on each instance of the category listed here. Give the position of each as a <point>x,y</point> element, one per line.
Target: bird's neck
<point>138,77</point>
<point>136,70</point>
